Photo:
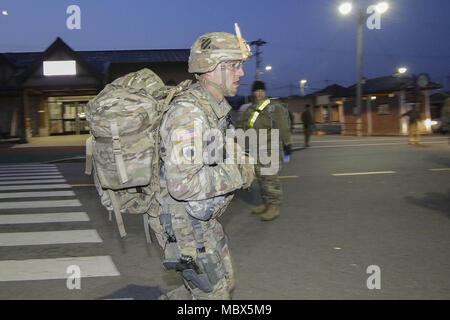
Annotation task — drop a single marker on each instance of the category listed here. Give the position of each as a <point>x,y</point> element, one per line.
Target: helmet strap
<point>222,87</point>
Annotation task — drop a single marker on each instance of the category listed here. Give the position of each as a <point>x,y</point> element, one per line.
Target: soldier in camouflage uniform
<point>268,114</point>
<point>414,120</point>
<point>196,189</point>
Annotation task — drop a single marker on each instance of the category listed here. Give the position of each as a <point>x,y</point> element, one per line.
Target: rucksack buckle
<point>117,147</point>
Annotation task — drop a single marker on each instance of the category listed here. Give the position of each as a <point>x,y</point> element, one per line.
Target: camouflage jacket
<point>205,188</point>
<point>272,117</point>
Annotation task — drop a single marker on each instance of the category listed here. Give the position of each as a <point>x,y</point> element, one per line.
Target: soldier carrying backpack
<point>149,162</point>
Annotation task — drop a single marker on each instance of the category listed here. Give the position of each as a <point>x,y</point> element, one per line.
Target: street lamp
<point>345,8</point>
<point>302,86</point>
<point>268,68</point>
<point>402,70</point>
<point>4,12</point>
<point>382,7</point>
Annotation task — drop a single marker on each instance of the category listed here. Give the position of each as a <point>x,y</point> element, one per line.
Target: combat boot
<point>260,209</point>
<point>272,212</point>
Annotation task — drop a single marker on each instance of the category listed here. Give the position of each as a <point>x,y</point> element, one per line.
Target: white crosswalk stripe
<point>19,183</point>
<point>43,217</point>
<point>47,176</point>
<point>32,181</point>
<point>36,194</point>
<point>48,237</point>
<point>35,187</point>
<point>40,204</point>
<point>27,170</point>
<point>28,174</point>
<point>46,269</point>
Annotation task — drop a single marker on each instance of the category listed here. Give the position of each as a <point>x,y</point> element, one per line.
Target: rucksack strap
<point>89,147</point>
<point>117,150</point>
<point>118,215</point>
<point>198,234</point>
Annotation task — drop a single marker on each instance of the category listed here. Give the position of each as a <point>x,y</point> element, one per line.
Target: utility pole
<point>258,43</point>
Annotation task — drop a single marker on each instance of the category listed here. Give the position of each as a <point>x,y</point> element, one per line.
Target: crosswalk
<point>38,194</point>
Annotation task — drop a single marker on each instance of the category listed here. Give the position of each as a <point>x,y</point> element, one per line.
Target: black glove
<point>287,149</point>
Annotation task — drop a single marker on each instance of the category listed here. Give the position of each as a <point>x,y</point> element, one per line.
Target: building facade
<point>45,93</point>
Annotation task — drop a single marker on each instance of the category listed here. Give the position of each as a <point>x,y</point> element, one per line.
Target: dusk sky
<point>306,39</point>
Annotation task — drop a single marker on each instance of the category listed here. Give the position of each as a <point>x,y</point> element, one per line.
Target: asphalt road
<point>349,204</point>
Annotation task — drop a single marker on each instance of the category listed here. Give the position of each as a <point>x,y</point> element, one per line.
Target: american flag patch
<point>185,134</point>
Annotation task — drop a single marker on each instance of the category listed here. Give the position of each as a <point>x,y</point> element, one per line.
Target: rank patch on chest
<point>185,134</point>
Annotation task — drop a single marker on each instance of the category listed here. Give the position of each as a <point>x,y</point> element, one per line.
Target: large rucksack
<point>123,149</point>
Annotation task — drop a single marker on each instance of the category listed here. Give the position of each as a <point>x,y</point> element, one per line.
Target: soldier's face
<point>259,94</point>
<point>234,70</point>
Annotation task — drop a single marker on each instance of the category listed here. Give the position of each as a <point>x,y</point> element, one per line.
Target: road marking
<point>372,139</point>
<point>29,170</point>
<point>32,181</point>
<point>37,194</point>
<point>26,166</point>
<point>288,177</point>
<point>364,145</point>
<point>440,169</point>
<point>49,237</point>
<point>33,174</point>
<point>40,204</point>
<point>50,269</point>
<point>31,177</point>
<point>362,173</point>
<point>83,185</point>
<point>43,217</point>
<point>34,187</point>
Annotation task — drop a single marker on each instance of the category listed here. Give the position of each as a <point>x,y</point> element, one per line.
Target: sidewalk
<point>80,140</point>
<point>55,141</point>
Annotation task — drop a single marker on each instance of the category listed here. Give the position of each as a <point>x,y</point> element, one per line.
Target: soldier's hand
<point>287,149</point>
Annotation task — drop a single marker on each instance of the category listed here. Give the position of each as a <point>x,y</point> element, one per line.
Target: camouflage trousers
<point>216,252</point>
<point>414,133</point>
<point>270,185</point>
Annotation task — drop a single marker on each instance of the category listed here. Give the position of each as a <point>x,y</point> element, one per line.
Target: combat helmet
<point>213,48</point>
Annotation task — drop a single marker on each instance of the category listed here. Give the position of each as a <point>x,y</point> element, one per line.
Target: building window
<point>60,68</point>
<point>383,109</point>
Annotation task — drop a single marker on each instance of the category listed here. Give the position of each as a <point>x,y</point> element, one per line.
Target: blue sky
<point>305,38</point>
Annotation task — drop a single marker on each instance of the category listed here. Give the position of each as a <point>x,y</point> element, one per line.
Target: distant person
<point>267,114</point>
<point>414,119</point>
<point>445,118</point>
<point>308,124</point>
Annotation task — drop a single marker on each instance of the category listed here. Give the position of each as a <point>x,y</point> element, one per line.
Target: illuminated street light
<point>382,7</point>
<point>402,70</point>
<point>268,68</point>
<point>345,8</point>
<point>4,12</point>
<point>302,86</point>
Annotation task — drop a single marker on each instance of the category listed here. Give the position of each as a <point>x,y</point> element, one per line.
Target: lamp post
<point>302,86</point>
<point>345,9</point>
<point>258,43</point>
